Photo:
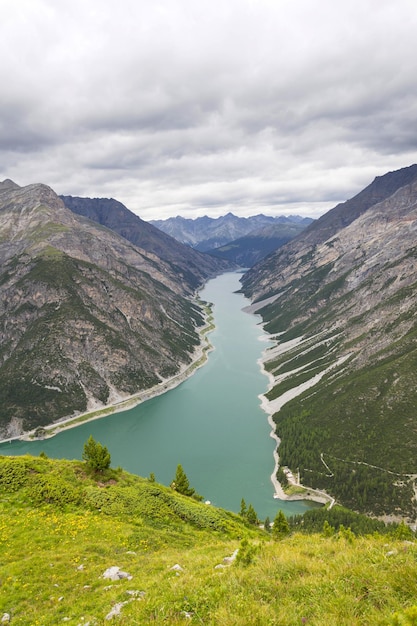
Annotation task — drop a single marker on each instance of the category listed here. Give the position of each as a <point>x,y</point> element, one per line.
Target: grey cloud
<point>177,106</point>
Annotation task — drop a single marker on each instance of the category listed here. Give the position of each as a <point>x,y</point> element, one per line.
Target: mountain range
<point>340,300</point>
<point>241,240</point>
<point>248,250</point>
<point>86,317</point>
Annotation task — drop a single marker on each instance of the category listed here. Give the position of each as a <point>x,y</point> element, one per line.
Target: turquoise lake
<point>212,423</point>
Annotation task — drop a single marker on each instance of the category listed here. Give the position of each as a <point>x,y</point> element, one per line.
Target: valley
<point>92,323</point>
<point>92,317</point>
<point>212,422</point>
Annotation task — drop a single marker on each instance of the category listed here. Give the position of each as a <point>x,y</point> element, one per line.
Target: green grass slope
<point>62,528</point>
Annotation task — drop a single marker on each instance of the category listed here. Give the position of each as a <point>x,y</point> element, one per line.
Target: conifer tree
<point>243,508</point>
<point>96,456</point>
<point>281,526</point>
<point>251,515</point>
<point>403,532</point>
<point>328,530</point>
<point>182,485</point>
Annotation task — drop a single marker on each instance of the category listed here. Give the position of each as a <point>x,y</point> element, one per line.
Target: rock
<point>6,618</point>
<point>177,568</point>
<point>116,610</point>
<point>392,553</point>
<point>229,559</point>
<point>134,593</point>
<point>115,573</point>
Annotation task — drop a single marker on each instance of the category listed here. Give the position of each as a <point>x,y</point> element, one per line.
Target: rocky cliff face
<point>191,267</point>
<point>295,258</point>
<point>343,298</point>
<point>85,316</point>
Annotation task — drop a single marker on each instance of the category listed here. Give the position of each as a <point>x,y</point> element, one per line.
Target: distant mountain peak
<point>207,233</point>
<point>8,184</point>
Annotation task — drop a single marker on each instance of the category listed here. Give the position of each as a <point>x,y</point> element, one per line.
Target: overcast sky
<point>197,107</point>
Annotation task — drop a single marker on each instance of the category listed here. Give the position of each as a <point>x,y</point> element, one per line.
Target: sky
<point>201,107</point>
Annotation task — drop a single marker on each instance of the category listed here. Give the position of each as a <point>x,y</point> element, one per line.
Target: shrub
<point>246,553</point>
<point>52,489</point>
<point>13,473</point>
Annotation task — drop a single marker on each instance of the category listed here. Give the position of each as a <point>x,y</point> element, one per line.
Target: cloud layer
<point>184,107</point>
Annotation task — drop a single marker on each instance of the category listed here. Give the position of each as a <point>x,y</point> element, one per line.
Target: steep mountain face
<point>206,233</point>
<point>252,248</point>
<point>293,259</point>
<point>86,318</point>
<point>342,300</point>
<point>191,266</point>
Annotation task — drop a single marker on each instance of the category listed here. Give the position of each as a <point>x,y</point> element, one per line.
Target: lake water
<point>212,423</point>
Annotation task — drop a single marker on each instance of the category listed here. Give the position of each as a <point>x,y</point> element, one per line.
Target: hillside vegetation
<point>86,547</point>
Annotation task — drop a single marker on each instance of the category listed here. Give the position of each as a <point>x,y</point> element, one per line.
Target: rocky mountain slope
<point>192,266</point>
<point>206,233</point>
<point>86,317</point>
<point>342,301</point>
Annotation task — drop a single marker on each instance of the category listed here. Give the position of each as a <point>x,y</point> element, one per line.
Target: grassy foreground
<point>62,527</point>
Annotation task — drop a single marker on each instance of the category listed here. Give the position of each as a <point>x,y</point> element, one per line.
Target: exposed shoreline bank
<point>270,408</point>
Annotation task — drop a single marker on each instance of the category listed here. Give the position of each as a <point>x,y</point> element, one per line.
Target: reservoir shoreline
<point>270,408</point>
<point>212,423</point>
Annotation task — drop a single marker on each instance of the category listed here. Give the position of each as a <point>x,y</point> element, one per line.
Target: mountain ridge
<point>194,267</point>
<point>207,233</point>
<point>343,307</point>
<point>250,249</point>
